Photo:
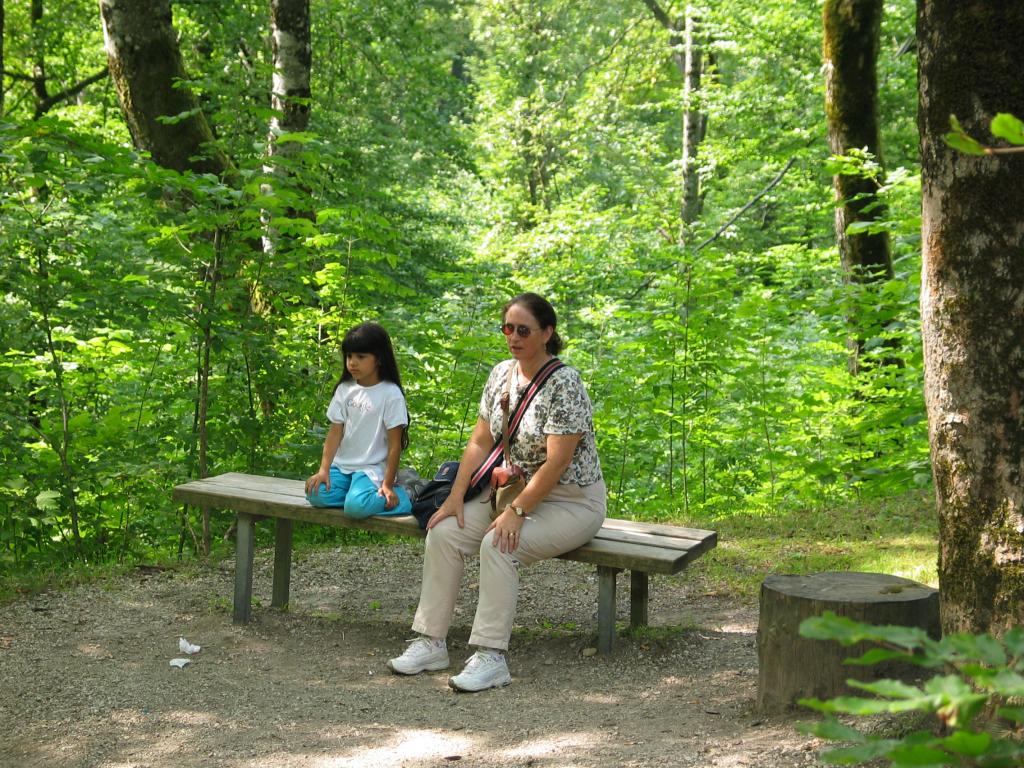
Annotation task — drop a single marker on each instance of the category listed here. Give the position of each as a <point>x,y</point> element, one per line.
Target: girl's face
<point>364,367</point>
<point>523,334</point>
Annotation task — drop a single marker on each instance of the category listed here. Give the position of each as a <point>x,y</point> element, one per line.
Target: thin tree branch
<point>591,64</point>
<point>45,105</point>
<point>771,185</point>
<point>19,76</point>
<point>660,15</point>
<point>721,230</point>
<point>675,39</point>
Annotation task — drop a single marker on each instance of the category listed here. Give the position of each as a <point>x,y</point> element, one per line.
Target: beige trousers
<point>568,518</point>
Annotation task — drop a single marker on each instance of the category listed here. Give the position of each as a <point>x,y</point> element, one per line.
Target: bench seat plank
<point>613,546</point>
<point>641,548</point>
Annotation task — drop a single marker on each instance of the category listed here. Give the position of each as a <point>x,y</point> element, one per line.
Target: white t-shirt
<point>367,413</point>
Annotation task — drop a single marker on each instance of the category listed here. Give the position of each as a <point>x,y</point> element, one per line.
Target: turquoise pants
<point>358,496</point>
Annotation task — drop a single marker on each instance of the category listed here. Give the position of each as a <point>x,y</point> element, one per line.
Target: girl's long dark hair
<point>372,339</point>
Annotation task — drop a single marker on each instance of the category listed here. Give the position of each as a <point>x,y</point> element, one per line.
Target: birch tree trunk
<point>851,41</point>
<point>972,309</point>
<point>687,55</point>
<point>145,62</point>
<point>693,122</point>
<point>1,58</point>
<point>290,91</point>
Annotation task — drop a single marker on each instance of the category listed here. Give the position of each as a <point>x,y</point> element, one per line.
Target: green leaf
<point>959,140</point>
<point>918,755</point>
<point>1008,683</point>
<point>829,626</point>
<point>1014,640</point>
<point>1006,126</point>
<point>878,655</point>
<point>79,421</point>
<point>964,143</point>
<point>861,753</point>
<point>175,119</point>
<point>893,689</point>
<point>831,728</point>
<point>968,742</point>
<point>854,705</point>
<point>1016,714</point>
<point>47,501</point>
<point>984,648</point>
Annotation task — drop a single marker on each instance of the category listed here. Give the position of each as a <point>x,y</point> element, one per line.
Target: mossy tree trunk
<point>1,58</point>
<point>851,41</point>
<point>972,309</point>
<point>145,62</point>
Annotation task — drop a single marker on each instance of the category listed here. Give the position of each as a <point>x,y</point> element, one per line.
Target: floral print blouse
<point>562,407</point>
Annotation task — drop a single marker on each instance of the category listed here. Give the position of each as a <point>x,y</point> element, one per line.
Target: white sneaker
<point>424,654</point>
<point>485,669</point>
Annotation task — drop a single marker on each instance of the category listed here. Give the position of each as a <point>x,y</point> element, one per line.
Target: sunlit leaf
<point>1006,126</point>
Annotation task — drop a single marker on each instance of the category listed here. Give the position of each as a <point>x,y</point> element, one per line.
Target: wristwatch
<point>519,511</point>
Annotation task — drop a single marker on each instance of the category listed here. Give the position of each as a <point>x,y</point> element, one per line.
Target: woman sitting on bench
<point>561,507</point>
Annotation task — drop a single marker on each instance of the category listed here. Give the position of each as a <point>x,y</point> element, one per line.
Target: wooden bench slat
<point>659,529</point>
<point>292,507</point>
<point>617,554</point>
<point>610,533</point>
<point>654,534</point>
<point>641,548</point>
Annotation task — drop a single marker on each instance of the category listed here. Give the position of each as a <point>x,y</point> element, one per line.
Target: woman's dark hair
<point>542,310</point>
<point>372,339</point>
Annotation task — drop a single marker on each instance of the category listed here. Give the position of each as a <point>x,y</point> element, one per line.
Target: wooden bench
<point>641,548</point>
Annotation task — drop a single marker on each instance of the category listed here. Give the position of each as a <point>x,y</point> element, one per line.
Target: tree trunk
<point>145,62</point>
<point>851,41</point>
<point>972,310</point>
<point>693,122</point>
<point>293,56</point>
<point>1,58</point>
<point>687,55</point>
<point>38,51</point>
<point>290,91</point>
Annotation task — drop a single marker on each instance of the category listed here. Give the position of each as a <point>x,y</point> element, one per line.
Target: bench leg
<point>282,563</point>
<point>637,599</point>
<point>243,568</point>
<point>606,607</point>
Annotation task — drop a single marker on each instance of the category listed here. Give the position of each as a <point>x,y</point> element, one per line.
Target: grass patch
<point>896,535</point>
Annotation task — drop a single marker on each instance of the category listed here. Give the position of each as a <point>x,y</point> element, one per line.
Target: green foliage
<point>457,153</point>
<point>975,703</point>
<point>1003,126</point>
<point>1008,127</point>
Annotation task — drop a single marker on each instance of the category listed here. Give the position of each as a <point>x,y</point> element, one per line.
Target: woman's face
<point>533,344</point>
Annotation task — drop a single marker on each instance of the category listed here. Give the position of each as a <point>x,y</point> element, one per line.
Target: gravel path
<point>85,679</point>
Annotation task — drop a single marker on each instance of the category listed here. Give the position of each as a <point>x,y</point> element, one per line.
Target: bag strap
<point>506,396</point>
<point>509,428</point>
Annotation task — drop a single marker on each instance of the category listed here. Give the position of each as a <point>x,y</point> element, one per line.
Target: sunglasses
<point>522,331</point>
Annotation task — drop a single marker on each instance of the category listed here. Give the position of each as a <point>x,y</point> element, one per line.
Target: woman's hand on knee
<point>314,481</point>
<point>452,507</point>
<point>506,527</point>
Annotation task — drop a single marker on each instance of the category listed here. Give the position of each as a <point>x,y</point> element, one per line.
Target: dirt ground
<point>85,679</point>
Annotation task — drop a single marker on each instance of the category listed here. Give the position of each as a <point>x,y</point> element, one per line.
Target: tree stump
<point>791,667</point>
